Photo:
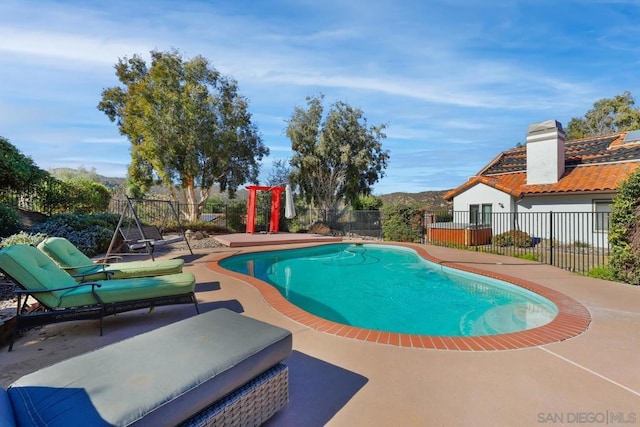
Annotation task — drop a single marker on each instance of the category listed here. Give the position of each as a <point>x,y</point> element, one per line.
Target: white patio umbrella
<point>287,280</point>
<point>289,207</point>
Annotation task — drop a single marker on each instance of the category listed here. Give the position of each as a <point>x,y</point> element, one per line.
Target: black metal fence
<point>47,197</point>
<point>167,214</point>
<point>575,241</point>
<point>347,222</point>
<point>233,216</point>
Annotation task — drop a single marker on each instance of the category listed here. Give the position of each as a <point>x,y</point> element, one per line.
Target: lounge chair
<point>64,299</point>
<point>71,259</point>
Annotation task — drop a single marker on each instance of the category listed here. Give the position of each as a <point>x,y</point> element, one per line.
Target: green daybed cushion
<point>158,378</point>
<point>67,256</point>
<point>35,271</point>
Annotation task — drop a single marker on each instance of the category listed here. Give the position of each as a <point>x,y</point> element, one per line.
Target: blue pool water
<point>393,289</point>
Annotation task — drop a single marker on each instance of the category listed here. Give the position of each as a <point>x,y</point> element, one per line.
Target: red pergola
<point>276,193</point>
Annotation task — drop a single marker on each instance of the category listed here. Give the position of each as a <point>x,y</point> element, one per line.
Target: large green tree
<point>17,171</point>
<point>188,126</point>
<point>280,173</point>
<point>608,115</point>
<point>19,175</point>
<point>337,157</point>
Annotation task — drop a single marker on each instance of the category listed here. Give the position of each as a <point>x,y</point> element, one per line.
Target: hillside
<point>430,200</point>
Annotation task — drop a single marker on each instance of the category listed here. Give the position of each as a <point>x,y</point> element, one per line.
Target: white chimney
<point>545,152</point>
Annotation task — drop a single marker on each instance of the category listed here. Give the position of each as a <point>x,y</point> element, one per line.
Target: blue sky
<point>456,81</point>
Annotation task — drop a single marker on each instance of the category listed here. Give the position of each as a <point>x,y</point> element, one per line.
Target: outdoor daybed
<point>80,266</point>
<point>63,299</point>
<point>216,368</point>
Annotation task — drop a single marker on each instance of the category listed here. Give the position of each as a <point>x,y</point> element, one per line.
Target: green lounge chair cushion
<point>129,290</point>
<point>35,271</point>
<point>158,378</point>
<point>67,256</point>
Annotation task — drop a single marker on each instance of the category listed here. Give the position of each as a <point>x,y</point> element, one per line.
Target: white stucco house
<point>576,180</point>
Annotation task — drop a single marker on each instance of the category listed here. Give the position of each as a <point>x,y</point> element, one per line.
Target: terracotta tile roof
<point>592,165</point>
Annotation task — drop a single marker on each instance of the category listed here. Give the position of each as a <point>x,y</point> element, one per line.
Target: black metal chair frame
<point>27,319</point>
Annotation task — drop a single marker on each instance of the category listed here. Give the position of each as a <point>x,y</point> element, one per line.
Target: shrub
<point>443,217</point>
<point>367,203</point>
<point>515,238</point>
<point>9,221</point>
<point>204,226</point>
<point>91,234</point>
<point>92,241</point>
<point>23,238</point>
<point>77,195</point>
<point>88,196</point>
<point>236,215</point>
<point>602,272</point>
<point>107,219</point>
<point>319,227</point>
<point>294,226</point>
<point>624,232</point>
<point>215,204</point>
<point>402,222</point>
<point>530,257</point>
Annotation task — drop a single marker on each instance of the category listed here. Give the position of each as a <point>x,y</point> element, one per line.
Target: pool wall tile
<point>384,338</point>
<point>416,342</point>
<point>373,336</point>
<point>363,334</point>
<point>394,338</point>
<point>461,343</point>
<point>438,343</point>
<point>426,341</point>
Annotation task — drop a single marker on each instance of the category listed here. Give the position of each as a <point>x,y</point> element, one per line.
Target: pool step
<point>515,317</point>
<point>501,320</point>
<point>533,316</point>
<point>472,324</point>
<point>508,318</point>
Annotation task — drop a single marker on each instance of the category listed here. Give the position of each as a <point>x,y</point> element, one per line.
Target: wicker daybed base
<point>250,405</point>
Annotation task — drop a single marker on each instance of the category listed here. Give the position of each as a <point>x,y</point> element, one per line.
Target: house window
<point>601,211</point>
<point>480,214</point>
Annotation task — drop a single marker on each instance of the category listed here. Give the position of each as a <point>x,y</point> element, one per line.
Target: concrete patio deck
<point>591,379</point>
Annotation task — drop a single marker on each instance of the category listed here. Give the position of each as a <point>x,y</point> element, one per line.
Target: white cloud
<point>63,47</point>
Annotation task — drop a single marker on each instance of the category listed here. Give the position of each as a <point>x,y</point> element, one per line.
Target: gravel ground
<point>8,301</point>
<point>204,243</point>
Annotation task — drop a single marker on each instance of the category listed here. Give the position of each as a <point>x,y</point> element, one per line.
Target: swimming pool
<point>392,288</point>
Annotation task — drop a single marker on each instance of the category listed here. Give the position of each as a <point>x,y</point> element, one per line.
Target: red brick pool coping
<point>573,318</point>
